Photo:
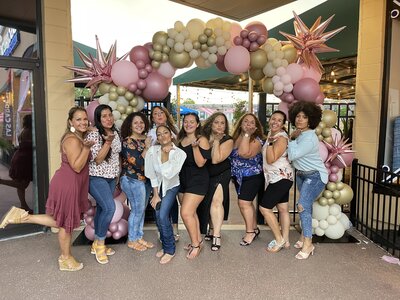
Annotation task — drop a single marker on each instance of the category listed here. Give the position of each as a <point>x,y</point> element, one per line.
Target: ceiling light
<point>335,80</point>
<point>332,73</point>
<point>352,87</point>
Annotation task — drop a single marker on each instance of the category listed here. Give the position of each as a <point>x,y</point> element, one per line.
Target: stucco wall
<point>369,80</point>
<point>58,52</point>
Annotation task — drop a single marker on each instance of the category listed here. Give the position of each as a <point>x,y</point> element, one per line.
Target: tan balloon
<point>179,60</point>
<point>121,108</point>
<point>160,37</point>
<point>129,96</point>
<point>195,27</point>
<point>123,117</point>
<point>326,132</point>
<point>290,53</point>
<point>113,96</point>
<point>268,85</point>
<point>121,90</point>
<point>256,74</point>
<point>133,102</point>
<point>104,88</point>
<point>329,117</point>
<point>328,139</point>
<point>129,110</point>
<point>346,195</point>
<point>258,59</point>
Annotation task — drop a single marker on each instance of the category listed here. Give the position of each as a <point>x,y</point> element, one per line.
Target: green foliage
<point>239,109</point>
<point>5,145</point>
<point>188,101</point>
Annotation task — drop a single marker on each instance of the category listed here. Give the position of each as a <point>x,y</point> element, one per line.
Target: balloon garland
<point>288,69</point>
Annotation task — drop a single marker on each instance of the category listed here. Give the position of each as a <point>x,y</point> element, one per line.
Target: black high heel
<point>246,243</point>
<point>208,236</point>
<point>214,245</point>
<point>257,231</point>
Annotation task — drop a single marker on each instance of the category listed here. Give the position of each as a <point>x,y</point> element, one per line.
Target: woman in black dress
<point>216,201</point>
<point>193,177</point>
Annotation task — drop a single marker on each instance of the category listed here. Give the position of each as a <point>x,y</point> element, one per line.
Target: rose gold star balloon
<point>309,41</point>
<point>96,70</point>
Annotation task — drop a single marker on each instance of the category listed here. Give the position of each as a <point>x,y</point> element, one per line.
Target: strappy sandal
<point>298,245</point>
<point>243,242</point>
<point>100,253</point>
<point>166,258</point>
<point>135,245</point>
<point>147,244</point>
<point>257,231</point>
<point>160,253</point>
<point>192,248</point>
<point>15,215</point>
<point>215,246</point>
<point>274,247</point>
<point>209,236</point>
<point>304,255</point>
<point>109,251</point>
<point>69,264</point>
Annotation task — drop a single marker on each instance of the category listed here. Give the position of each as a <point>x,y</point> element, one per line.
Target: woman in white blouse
<point>163,163</point>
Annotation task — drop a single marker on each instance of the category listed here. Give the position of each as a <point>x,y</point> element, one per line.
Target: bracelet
<point>108,143</point>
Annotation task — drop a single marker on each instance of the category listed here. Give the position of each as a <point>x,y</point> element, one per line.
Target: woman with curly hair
<point>311,176</point>
<point>247,170</point>
<point>216,201</point>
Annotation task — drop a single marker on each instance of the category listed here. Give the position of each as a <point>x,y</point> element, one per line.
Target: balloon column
<point>119,223</point>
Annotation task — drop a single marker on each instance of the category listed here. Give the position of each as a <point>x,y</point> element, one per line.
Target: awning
<point>185,110</point>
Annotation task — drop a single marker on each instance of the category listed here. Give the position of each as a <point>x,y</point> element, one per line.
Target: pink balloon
<point>336,135</point>
<point>237,60</point>
<point>244,33</point>
<point>143,74</point>
<point>117,235</point>
<point>333,177</point>
<point>283,106</point>
<point>139,53</point>
<point>91,211</point>
<point>254,46</point>
<point>237,40</point>
<point>257,27</point>
<point>89,233</point>
<point>89,219</point>
<point>169,81</point>
<point>246,43</point>
<point>323,151</point>
<point>140,64</point>
<point>123,226</point>
<point>347,157</point>
<point>306,89</point>
<point>118,212</point>
<point>148,46</point>
<point>311,73</point>
<point>123,73</point>
<point>334,169</point>
<point>295,71</point>
<point>90,110</point>
<point>148,68</point>
<point>109,233</point>
<point>320,99</point>
<point>121,197</point>
<point>166,70</point>
<point>235,30</point>
<point>126,213</point>
<point>138,92</point>
<point>141,84</point>
<point>261,40</point>
<point>156,87</point>
<point>220,63</point>
<point>113,227</point>
<point>132,87</point>
<point>253,36</point>
<point>117,192</point>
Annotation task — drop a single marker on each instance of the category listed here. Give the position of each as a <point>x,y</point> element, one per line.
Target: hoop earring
<point>72,129</point>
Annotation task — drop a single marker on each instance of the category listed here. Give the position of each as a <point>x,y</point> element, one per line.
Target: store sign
<point>394,14</point>
<point>11,40</point>
<point>8,122</point>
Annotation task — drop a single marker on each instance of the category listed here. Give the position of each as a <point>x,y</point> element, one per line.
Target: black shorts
<point>275,193</point>
<point>250,187</point>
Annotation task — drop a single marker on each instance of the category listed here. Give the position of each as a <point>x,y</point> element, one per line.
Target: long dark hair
<point>238,128</point>
<point>207,126</point>
<point>284,118</point>
<point>182,132</point>
<point>99,126</point>
<point>170,119</point>
<point>126,127</point>
<point>71,114</point>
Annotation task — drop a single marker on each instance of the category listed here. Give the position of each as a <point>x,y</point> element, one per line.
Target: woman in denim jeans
<point>133,182</point>
<point>162,166</point>
<point>103,171</point>
<point>311,177</point>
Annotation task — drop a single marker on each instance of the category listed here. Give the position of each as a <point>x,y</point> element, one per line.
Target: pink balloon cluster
<point>333,171</point>
<point>118,226</point>
<point>251,40</point>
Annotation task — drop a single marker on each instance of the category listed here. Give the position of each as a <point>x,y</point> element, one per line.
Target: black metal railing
<point>375,207</point>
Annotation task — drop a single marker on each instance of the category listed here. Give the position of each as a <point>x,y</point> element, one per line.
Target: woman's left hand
<point>154,201</point>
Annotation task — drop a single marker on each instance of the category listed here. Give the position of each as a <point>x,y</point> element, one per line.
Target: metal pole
<point>178,105</point>
<point>250,94</point>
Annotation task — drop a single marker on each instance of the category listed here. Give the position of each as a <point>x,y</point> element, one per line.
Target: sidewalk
<point>336,271</point>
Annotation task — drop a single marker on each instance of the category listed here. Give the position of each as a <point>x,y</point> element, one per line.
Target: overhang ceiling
<point>19,14</point>
<point>234,10</point>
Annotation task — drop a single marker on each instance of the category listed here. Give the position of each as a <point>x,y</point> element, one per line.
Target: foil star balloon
<point>309,41</point>
<point>338,150</point>
<point>97,69</point>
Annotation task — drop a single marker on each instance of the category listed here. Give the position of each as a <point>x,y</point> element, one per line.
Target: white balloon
<point>319,231</point>
<point>335,231</point>
<point>278,93</point>
<point>118,123</point>
<point>222,50</point>
<point>179,38</point>
<point>172,33</point>
<point>338,216</point>
<point>194,54</point>
<point>314,223</point>
<point>178,47</point>
<point>112,104</point>
<point>140,104</point>
<point>205,54</point>
<point>331,220</point>
<point>323,224</point>
<point>339,175</point>
<point>213,49</point>
<point>334,209</point>
<point>288,88</point>
<point>275,79</point>
<point>278,86</point>
<point>271,55</point>
<point>116,114</point>
<point>320,212</point>
<point>285,78</point>
<point>121,100</point>
<point>269,69</point>
<point>219,41</point>
<point>170,42</point>
<point>345,222</point>
<point>188,45</point>
<point>277,62</point>
<point>212,58</point>
<point>104,99</point>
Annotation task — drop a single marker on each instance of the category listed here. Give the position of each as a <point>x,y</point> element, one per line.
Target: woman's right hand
<point>154,201</point>
<point>109,138</point>
<point>88,143</point>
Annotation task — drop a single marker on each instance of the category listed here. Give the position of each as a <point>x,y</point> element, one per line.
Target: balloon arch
<point>288,69</point>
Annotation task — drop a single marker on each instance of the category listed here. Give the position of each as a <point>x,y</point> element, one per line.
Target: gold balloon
<point>328,139</point>
<point>133,102</point>
<point>326,132</point>
<point>129,110</point>
<point>318,130</point>
<point>336,194</point>
<point>123,116</point>
<point>331,186</point>
<point>113,96</point>
<point>179,60</point>
<point>329,117</point>
<point>160,37</point>
<point>290,53</point>
<point>121,108</point>
<point>121,91</point>
<point>155,64</point>
<point>268,85</point>
<point>129,96</point>
<point>258,59</point>
<point>346,195</point>
<point>113,88</point>
<point>327,194</point>
<point>104,88</point>
<point>256,74</point>
<point>323,201</point>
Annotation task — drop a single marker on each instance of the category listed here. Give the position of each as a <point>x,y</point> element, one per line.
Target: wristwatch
<point>270,143</point>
